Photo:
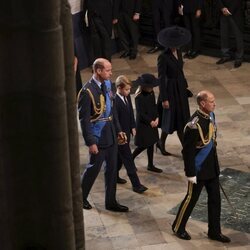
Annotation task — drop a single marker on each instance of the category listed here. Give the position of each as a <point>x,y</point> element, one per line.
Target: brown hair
<point>122,81</point>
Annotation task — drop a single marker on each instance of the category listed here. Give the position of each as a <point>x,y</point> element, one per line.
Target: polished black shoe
<point>187,54</point>
<point>153,50</point>
<point>121,181</point>
<point>219,237</point>
<point>118,208</point>
<point>125,54</point>
<point>224,60</point>
<point>154,169</point>
<point>162,149</point>
<point>86,205</point>
<point>183,235</point>
<point>132,57</point>
<point>140,189</point>
<point>193,54</point>
<point>237,63</point>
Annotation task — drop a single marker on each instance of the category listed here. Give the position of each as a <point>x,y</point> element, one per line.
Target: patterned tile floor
<point>148,224</point>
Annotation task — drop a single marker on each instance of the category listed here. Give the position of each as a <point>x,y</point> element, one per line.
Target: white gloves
<point>192,179</point>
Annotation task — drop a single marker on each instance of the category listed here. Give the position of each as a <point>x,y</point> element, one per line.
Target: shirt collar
<point>97,82</point>
<point>121,96</point>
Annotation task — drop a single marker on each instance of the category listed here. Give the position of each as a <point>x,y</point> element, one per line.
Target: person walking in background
<point>126,119</point>
<point>146,119</point>
<point>173,106</point>
<point>100,128</point>
<point>231,20</point>
<point>127,24</point>
<point>191,11</point>
<point>201,168</point>
<point>101,16</point>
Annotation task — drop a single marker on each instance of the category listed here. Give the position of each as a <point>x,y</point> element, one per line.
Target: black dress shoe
<point>186,55</point>
<point>237,63</point>
<point>121,181</point>
<point>140,189</point>
<point>132,57</point>
<point>193,54</point>
<point>224,60</point>
<point>86,205</point>
<point>118,208</point>
<point>153,50</point>
<point>219,237</point>
<point>162,149</point>
<point>183,235</point>
<point>154,169</point>
<point>125,54</point>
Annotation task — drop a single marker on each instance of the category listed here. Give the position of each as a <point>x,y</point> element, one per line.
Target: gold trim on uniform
<point>184,207</point>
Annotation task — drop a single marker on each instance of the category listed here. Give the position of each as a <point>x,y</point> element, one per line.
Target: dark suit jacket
<point>125,115</point>
<point>86,111</point>
<point>105,9</point>
<point>191,6</point>
<point>129,6</point>
<point>236,8</point>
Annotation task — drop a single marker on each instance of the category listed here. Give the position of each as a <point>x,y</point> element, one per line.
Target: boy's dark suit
<point>127,122</point>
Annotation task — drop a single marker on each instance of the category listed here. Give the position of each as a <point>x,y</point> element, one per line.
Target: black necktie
<point>103,88</point>
<point>125,100</point>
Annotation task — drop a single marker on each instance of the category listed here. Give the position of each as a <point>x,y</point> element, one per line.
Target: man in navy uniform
<point>100,129</point>
<point>201,168</point>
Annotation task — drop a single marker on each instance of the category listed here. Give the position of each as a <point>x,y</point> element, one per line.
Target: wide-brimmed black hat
<point>147,80</point>
<point>173,37</point>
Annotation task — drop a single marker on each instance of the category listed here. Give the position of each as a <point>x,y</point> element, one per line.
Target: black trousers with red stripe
<point>213,203</point>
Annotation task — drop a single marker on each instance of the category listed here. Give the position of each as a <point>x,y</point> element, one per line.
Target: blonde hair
<point>122,81</point>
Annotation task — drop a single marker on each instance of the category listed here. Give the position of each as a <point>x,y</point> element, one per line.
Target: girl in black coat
<point>146,119</point>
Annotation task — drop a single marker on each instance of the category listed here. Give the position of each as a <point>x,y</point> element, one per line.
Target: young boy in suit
<point>126,119</point>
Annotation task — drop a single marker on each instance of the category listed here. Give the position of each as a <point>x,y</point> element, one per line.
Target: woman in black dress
<point>173,106</point>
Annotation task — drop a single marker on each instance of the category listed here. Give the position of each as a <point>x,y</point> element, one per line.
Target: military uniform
<point>200,159</point>
<point>99,126</point>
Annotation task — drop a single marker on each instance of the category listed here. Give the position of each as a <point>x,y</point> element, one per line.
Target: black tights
<point>150,153</point>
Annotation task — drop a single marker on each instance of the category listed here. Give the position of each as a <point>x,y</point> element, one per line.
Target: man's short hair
<point>98,64</point>
<point>201,96</point>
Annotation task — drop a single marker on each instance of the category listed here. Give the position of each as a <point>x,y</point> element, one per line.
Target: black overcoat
<point>236,9</point>
<point>146,111</point>
<point>173,88</point>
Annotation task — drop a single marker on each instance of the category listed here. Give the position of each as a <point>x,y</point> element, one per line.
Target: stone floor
<point>148,224</point>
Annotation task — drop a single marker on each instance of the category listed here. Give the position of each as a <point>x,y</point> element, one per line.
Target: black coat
<point>146,111</point>
<point>173,88</point>
<point>210,167</point>
<point>125,115</point>
<point>236,9</point>
<point>105,9</point>
<point>129,6</point>
<point>191,6</point>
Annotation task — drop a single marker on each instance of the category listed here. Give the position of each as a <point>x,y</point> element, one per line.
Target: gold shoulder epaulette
<point>193,124</point>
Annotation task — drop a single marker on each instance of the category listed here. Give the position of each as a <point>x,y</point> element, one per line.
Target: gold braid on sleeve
<point>98,111</point>
<point>211,135</point>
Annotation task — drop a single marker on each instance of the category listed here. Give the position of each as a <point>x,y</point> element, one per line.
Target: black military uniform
<point>100,16</point>
<point>100,129</point>
<point>200,135</point>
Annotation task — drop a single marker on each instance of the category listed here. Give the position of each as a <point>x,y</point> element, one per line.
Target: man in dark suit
<point>100,128</point>
<point>191,11</point>
<point>201,168</point>
<point>127,24</point>
<point>163,13</point>
<point>231,19</point>
<point>101,15</point>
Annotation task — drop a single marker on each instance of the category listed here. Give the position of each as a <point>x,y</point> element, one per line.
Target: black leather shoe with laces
<point>118,208</point>
<point>219,237</point>
<point>86,205</point>
<point>224,60</point>
<point>140,189</point>
<point>183,235</point>
<point>154,169</point>
<point>121,181</point>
